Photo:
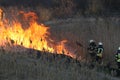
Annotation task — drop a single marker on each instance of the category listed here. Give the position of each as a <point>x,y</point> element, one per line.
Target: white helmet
<point>100,43</point>
<point>118,48</point>
<point>91,41</point>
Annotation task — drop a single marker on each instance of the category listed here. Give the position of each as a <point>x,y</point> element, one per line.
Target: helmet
<point>118,48</point>
<point>91,41</point>
<point>100,43</point>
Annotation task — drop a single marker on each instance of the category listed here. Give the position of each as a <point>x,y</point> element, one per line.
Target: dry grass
<point>83,29</point>
<point>20,66</point>
<point>17,66</point>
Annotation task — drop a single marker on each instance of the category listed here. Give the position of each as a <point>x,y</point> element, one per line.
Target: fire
<point>35,36</point>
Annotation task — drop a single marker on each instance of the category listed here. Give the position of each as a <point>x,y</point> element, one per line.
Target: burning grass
<point>30,34</point>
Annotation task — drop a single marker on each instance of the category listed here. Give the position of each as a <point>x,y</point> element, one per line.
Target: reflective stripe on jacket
<point>99,51</point>
<point>118,60</point>
<point>118,57</point>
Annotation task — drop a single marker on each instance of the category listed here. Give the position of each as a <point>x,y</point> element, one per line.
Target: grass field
<point>105,30</point>
<point>21,65</point>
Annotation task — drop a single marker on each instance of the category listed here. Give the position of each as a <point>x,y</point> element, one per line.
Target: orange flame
<point>35,36</point>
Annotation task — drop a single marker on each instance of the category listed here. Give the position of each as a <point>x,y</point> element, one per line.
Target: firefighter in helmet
<point>99,53</point>
<point>117,59</point>
<point>91,49</point>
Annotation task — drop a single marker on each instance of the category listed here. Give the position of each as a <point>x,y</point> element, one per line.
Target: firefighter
<point>99,53</point>
<point>117,59</point>
<point>92,49</point>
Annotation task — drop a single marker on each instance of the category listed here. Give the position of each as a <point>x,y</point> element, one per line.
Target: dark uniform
<point>92,50</point>
<point>99,53</point>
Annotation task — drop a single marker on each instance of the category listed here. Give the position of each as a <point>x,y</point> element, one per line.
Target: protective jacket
<point>100,50</point>
<point>117,55</point>
<point>92,47</point>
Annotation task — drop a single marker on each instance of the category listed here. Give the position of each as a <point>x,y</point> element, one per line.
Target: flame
<point>35,36</point>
